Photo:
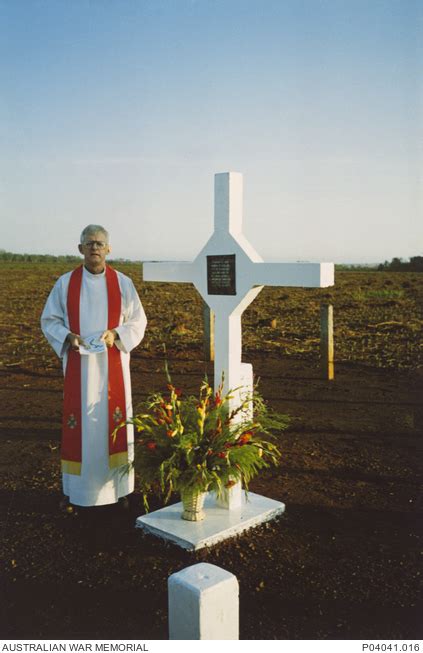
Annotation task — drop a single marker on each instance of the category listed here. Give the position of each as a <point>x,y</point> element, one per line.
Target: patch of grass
<point>381,293</point>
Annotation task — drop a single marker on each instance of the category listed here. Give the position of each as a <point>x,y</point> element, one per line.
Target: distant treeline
<point>415,264</point>
<point>356,267</point>
<point>48,258</point>
<point>38,258</point>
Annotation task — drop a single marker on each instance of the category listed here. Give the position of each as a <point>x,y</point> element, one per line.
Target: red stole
<point>72,411</point>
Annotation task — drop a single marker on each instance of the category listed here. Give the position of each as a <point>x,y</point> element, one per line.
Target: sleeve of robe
<point>133,321</point>
<point>53,318</point>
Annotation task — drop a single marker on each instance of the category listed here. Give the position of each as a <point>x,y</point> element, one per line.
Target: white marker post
<point>228,273</point>
<point>203,603</point>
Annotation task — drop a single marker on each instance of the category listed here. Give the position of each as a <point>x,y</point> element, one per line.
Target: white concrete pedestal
<point>218,525</point>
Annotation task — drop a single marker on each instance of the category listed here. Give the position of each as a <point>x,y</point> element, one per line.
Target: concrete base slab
<point>219,524</point>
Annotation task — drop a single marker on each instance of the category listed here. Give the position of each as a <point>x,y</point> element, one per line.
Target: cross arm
<point>307,275</point>
<point>167,271</point>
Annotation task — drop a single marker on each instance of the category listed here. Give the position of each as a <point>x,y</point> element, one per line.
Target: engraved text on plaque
<point>221,275</point>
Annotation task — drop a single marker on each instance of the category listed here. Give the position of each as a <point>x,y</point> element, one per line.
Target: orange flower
<point>244,438</point>
<point>171,433</point>
<point>230,484</point>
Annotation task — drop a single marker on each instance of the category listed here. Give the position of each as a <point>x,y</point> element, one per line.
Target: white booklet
<point>92,345</point>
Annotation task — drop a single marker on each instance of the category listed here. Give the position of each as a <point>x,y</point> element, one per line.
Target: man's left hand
<point>109,337</point>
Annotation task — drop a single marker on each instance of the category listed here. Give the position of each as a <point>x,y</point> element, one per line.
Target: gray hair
<point>93,229</point>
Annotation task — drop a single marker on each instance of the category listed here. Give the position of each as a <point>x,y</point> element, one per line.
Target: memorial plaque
<point>221,275</point>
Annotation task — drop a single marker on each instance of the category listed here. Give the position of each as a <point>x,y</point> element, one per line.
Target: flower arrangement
<point>199,444</point>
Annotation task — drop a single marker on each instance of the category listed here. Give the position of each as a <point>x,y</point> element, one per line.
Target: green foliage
<point>186,443</point>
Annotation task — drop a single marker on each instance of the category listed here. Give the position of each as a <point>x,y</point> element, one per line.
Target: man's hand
<point>109,337</point>
<point>74,340</point>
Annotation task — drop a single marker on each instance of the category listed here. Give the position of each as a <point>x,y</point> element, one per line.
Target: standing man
<point>93,318</point>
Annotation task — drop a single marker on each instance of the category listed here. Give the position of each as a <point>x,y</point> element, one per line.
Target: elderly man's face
<point>94,249</point>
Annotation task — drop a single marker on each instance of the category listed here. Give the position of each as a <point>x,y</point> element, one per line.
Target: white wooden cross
<point>228,258</point>
<point>228,273</point>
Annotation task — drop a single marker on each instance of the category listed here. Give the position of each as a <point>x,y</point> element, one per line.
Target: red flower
<point>217,399</point>
<point>209,452</point>
<point>230,484</point>
<point>151,445</point>
<point>178,392</point>
<point>222,454</point>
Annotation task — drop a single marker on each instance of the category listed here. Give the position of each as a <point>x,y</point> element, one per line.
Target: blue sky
<point>120,112</point>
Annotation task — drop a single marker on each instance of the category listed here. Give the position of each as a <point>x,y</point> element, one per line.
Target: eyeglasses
<point>95,243</point>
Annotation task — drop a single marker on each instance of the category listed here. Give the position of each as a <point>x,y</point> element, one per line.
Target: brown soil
<point>344,561</point>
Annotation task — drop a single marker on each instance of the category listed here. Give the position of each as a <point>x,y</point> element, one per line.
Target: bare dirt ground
<point>344,561</point>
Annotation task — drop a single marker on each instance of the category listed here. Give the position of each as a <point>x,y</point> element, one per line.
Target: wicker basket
<point>193,502</point>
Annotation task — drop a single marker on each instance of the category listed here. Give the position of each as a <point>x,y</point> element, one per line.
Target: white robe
<point>97,485</point>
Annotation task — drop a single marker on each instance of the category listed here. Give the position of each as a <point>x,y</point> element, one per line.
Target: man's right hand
<point>74,341</point>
